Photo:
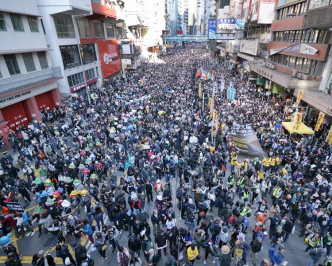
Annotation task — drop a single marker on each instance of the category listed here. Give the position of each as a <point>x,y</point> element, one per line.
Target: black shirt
<point>160,240</point>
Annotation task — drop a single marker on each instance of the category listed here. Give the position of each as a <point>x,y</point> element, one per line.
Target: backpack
<point>271,252</point>
<point>90,262</point>
<point>172,262</point>
<point>10,248</point>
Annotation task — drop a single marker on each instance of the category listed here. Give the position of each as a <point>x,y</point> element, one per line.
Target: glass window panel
<point>88,53</point>
<point>33,24</point>
<point>64,27</point>
<point>11,63</point>
<point>42,60</point>
<point>2,22</point>
<point>70,56</point>
<point>28,61</point>
<point>99,29</point>
<point>17,22</point>
<point>84,28</point>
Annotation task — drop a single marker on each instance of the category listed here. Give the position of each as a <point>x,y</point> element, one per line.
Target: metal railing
<point>26,80</point>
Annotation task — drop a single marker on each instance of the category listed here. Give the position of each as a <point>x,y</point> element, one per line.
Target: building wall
<point>288,24</point>
<point>28,7</point>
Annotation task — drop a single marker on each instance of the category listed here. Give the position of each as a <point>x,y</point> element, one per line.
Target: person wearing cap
<point>225,256</point>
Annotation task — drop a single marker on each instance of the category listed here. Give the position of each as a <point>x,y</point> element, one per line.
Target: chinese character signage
<point>109,57</point>
<point>319,121</point>
<point>297,121</point>
<point>231,24</point>
<point>329,137</point>
<point>213,35</point>
<point>299,97</point>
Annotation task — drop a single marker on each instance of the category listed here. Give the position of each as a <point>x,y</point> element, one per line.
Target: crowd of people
<point>140,153</point>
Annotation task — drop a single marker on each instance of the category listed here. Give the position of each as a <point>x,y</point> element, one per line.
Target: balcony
<point>68,7</point>
<point>99,8</point>
<point>32,79</point>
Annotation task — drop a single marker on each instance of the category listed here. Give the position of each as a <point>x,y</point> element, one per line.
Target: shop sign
<point>328,88</point>
<point>78,87</point>
<point>91,81</point>
<point>126,61</point>
<point>9,98</point>
<point>231,24</point>
<point>249,46</point>
<point>109,55</point>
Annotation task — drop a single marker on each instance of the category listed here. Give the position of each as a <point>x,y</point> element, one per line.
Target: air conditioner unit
<point>304,76</point>
<point>299,75</point>
<point>294,72</point>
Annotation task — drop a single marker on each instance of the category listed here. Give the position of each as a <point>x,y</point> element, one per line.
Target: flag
<point>198,73</point>
<point>208,75</point>
<point>203,75</point>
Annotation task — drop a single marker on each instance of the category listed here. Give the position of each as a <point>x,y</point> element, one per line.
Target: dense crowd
<point>144,143</point>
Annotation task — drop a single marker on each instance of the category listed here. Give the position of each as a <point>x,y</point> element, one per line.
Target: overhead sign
<point>213,35</point>
<point>231,23</point>
<point>109,55</point>
<point>15,206</point>
<point>187,38</point>
<point>319,121</point>
<point>249,46</point>
<point>245,139</point>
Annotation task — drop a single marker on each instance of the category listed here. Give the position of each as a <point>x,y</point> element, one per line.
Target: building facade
<point>28,77</point>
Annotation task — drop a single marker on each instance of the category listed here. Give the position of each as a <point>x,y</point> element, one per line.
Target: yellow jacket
<point>266,161</point>
<point>273,162</point>
<point>192,254</point>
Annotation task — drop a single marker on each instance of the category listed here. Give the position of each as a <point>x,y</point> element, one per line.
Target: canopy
<point>302,130</point>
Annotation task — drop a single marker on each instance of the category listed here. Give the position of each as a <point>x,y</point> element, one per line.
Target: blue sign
<point>231,24</point>
<point>277,127</point>
<point>213,35</point>
<point>231,93</point>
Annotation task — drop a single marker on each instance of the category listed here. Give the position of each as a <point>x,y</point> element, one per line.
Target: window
<point>70,56</point>
<point>101,2</point>
<point>297,37</point>
<point>2,22</point>
<point>299,62</point>
<point>75,79</point>
<point>90,74</point>
<point>110,30</point>
<point>42,23</point>
<point>11,63</point>
<point>313,67</point>
<point>88,53</point>
<point>306,65</point>
<point>42,60</point>
<point>84,28</point>
<point>292,61</point>
<point>64,27</point>
<point>17,22</point>
<point>321,36</point>
<point>28,61</point>
<point>99,29</point>
<point>33,24</point>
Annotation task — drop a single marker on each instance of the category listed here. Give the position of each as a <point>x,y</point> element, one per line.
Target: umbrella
<point>93,177</point>
<point>49,202</point>
<point>56,194</point>
<point>68,180</point>
<point>87,149</point>
<point>83,192</point>
<point>73,194</point>
<point>91,144</point>
<point>77,182</point>
<point>88,160</point>
<point>38,181</point>
<point>81,166</point>
<point>72,166</point>
<point>38,210</point>
<point>98,144</point>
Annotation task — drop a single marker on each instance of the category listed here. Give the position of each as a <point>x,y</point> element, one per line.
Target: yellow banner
<point>297,121</point>
<point>216,118</point>
<point>329,137</point>
<point>299,97</point>
<point>216,130</point>
<point>319,121</point>
<point>200,92</point>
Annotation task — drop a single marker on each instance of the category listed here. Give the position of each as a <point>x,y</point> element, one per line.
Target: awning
<point>302,130</point>
<point>277,89</point>
<point>261,81</point>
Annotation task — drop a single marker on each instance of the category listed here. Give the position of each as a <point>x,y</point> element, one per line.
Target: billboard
<point>266,12</point>
<point>249,46</point>
<point>231,24</point>
<point>109,57</point>
<point>213,35</point>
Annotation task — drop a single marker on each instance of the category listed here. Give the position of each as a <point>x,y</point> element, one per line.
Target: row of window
<point>304,65</point>
<point>319,3</point>
<point>292,11</point>
<point>17,23</point>
<point>73,54</point>
<point>305,36</point>
<point>13,66</point>
<point>65,28</point>
<point>78,78</point>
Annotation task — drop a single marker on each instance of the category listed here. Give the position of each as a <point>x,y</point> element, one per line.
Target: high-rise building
<point>299,52</point>
<point>28,77</point>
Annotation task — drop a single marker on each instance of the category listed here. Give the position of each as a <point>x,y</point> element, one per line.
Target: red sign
<point>109,57</point>
<point>76,88</point>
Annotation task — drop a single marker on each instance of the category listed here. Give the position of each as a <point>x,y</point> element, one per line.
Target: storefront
<point>45,101</point>
<point>109,54</point>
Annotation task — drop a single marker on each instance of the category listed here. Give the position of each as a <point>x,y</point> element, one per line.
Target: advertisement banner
<point>299,97</point>
<point>300,48</point>
<point>245,139</point>
<point>109,57</point>
<point>319,121</point>
<point>329,137</point>
<point>231,24</point>
<point>297,121</point>
<point>213,35</point>
<point>249,46</point>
